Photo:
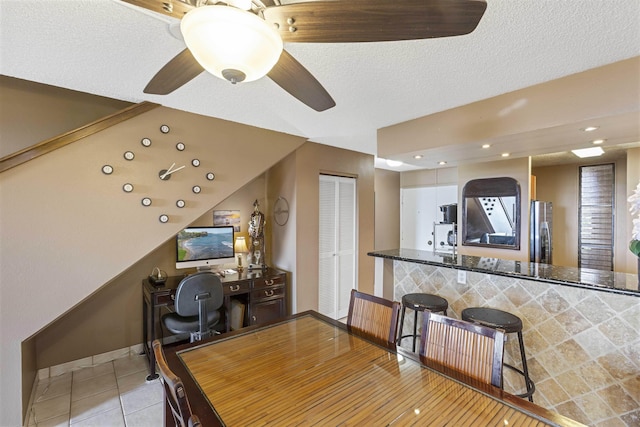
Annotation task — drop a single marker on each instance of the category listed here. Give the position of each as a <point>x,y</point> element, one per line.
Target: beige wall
<point>311,161</point>
<point>112,317</point>
<point>68,229</point>
<point>387,209</point>
<point>387,223</point>
<point>33,112</point>
<point>560,185</point>
<point>281,182</point>
<point>521,115</point>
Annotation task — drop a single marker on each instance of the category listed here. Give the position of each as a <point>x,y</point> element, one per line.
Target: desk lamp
<point>240,247</point>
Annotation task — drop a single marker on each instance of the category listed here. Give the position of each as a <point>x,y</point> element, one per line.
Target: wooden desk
<point>262,291</point>
<point>310,370</point>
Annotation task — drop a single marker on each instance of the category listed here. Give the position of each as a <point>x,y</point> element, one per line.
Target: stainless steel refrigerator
<point>541,232</point>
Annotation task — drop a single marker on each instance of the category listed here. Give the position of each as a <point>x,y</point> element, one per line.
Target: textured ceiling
<point>112,49</point>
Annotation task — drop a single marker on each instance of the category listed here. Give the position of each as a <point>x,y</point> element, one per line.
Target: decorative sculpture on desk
<point>256,233</point>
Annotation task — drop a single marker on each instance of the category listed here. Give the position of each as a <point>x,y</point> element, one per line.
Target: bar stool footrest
<point>530,384</point>
<point>407,336</point>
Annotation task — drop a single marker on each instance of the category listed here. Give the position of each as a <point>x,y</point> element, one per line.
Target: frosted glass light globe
<point>231,43</point>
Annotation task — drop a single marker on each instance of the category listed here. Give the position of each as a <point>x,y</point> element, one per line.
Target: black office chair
<point>197,306</point>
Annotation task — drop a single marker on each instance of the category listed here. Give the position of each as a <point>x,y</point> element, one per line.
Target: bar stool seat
<point>419,303</point>
<point>510,323</point>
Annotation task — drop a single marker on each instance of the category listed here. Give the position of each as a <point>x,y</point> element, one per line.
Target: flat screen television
<point>204,247</point>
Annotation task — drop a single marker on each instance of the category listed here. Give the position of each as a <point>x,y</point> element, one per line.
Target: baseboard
<point>86,362</point>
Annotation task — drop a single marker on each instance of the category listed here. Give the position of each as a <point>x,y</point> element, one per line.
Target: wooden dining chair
<point>174,392</point>
<point>474,350</point>
<point>373,317</point>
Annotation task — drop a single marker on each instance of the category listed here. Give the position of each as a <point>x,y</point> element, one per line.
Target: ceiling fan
<point>273,22</point>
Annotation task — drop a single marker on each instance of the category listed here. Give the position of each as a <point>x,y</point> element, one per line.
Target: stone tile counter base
<point>583,346</point>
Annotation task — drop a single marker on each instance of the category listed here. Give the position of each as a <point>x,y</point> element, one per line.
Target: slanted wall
<point>67,228</point>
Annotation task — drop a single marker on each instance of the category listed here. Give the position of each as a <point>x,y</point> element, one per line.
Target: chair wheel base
<point>199,336</point>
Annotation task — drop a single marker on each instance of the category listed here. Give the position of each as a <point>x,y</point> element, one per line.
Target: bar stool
<point>510,323</point>
<point>420,302</point>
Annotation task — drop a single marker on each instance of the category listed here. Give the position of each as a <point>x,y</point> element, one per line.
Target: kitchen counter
<point>581,327</point>
<point>606,281</point>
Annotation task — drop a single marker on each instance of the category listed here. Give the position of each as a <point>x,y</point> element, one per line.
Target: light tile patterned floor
<point>113,393</point>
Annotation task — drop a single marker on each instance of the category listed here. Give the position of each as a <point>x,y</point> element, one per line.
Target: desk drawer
<point>268,282</point>
<point>236,288</point>
<point>165,298</point>
<point>272,292</point>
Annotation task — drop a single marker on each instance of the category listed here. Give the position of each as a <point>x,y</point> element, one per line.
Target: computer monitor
<point>204,247</point>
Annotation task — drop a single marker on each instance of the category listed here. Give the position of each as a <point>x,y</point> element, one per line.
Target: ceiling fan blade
<point>174,8</point>
<point>180,70</point>
<point>291,76</point>
<point>348,21</point>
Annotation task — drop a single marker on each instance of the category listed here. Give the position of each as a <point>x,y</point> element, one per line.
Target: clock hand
<point>168,171</point>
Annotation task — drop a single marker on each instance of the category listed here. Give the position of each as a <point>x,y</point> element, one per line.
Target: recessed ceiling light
<point>505,154</point>
<point>442,162</point>
<point>486,145</point>
<point>393,163</point>
<point>588,152</point>
<point>417,156</point>
<point>597,141</point>
<point>590,128</point>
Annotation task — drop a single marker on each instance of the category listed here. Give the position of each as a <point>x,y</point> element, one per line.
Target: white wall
<point>419,211</point>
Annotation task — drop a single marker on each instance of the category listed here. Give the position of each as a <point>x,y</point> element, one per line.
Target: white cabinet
<point>420,208</point>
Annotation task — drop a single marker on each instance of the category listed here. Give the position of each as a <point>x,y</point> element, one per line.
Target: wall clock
<point>281,211</point>
<point>181,163</point>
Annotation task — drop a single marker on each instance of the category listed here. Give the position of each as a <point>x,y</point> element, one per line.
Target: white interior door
<point>337,251</point>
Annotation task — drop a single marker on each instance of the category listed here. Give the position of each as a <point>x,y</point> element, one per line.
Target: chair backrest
<point>203,286</point>
<point>474,350</point>
<point>373,317</point>
<point>174,391</point>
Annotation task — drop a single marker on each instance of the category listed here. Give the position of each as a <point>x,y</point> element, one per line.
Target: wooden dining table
<point>310,370</point>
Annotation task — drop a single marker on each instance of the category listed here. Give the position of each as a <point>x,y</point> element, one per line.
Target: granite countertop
<point>606,281</point>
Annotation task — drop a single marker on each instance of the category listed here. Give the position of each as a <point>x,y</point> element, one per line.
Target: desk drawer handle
<point>269,282</point>
<point>269,293</point>
<point>173,297</point>
<point>233,288</point>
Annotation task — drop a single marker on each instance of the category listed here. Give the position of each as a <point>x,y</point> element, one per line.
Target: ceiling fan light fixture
<point>231,43</point>
<point>240,4</point>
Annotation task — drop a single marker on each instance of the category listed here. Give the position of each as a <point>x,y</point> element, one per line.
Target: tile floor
<point>108,389</point>
<point>113,393</point>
